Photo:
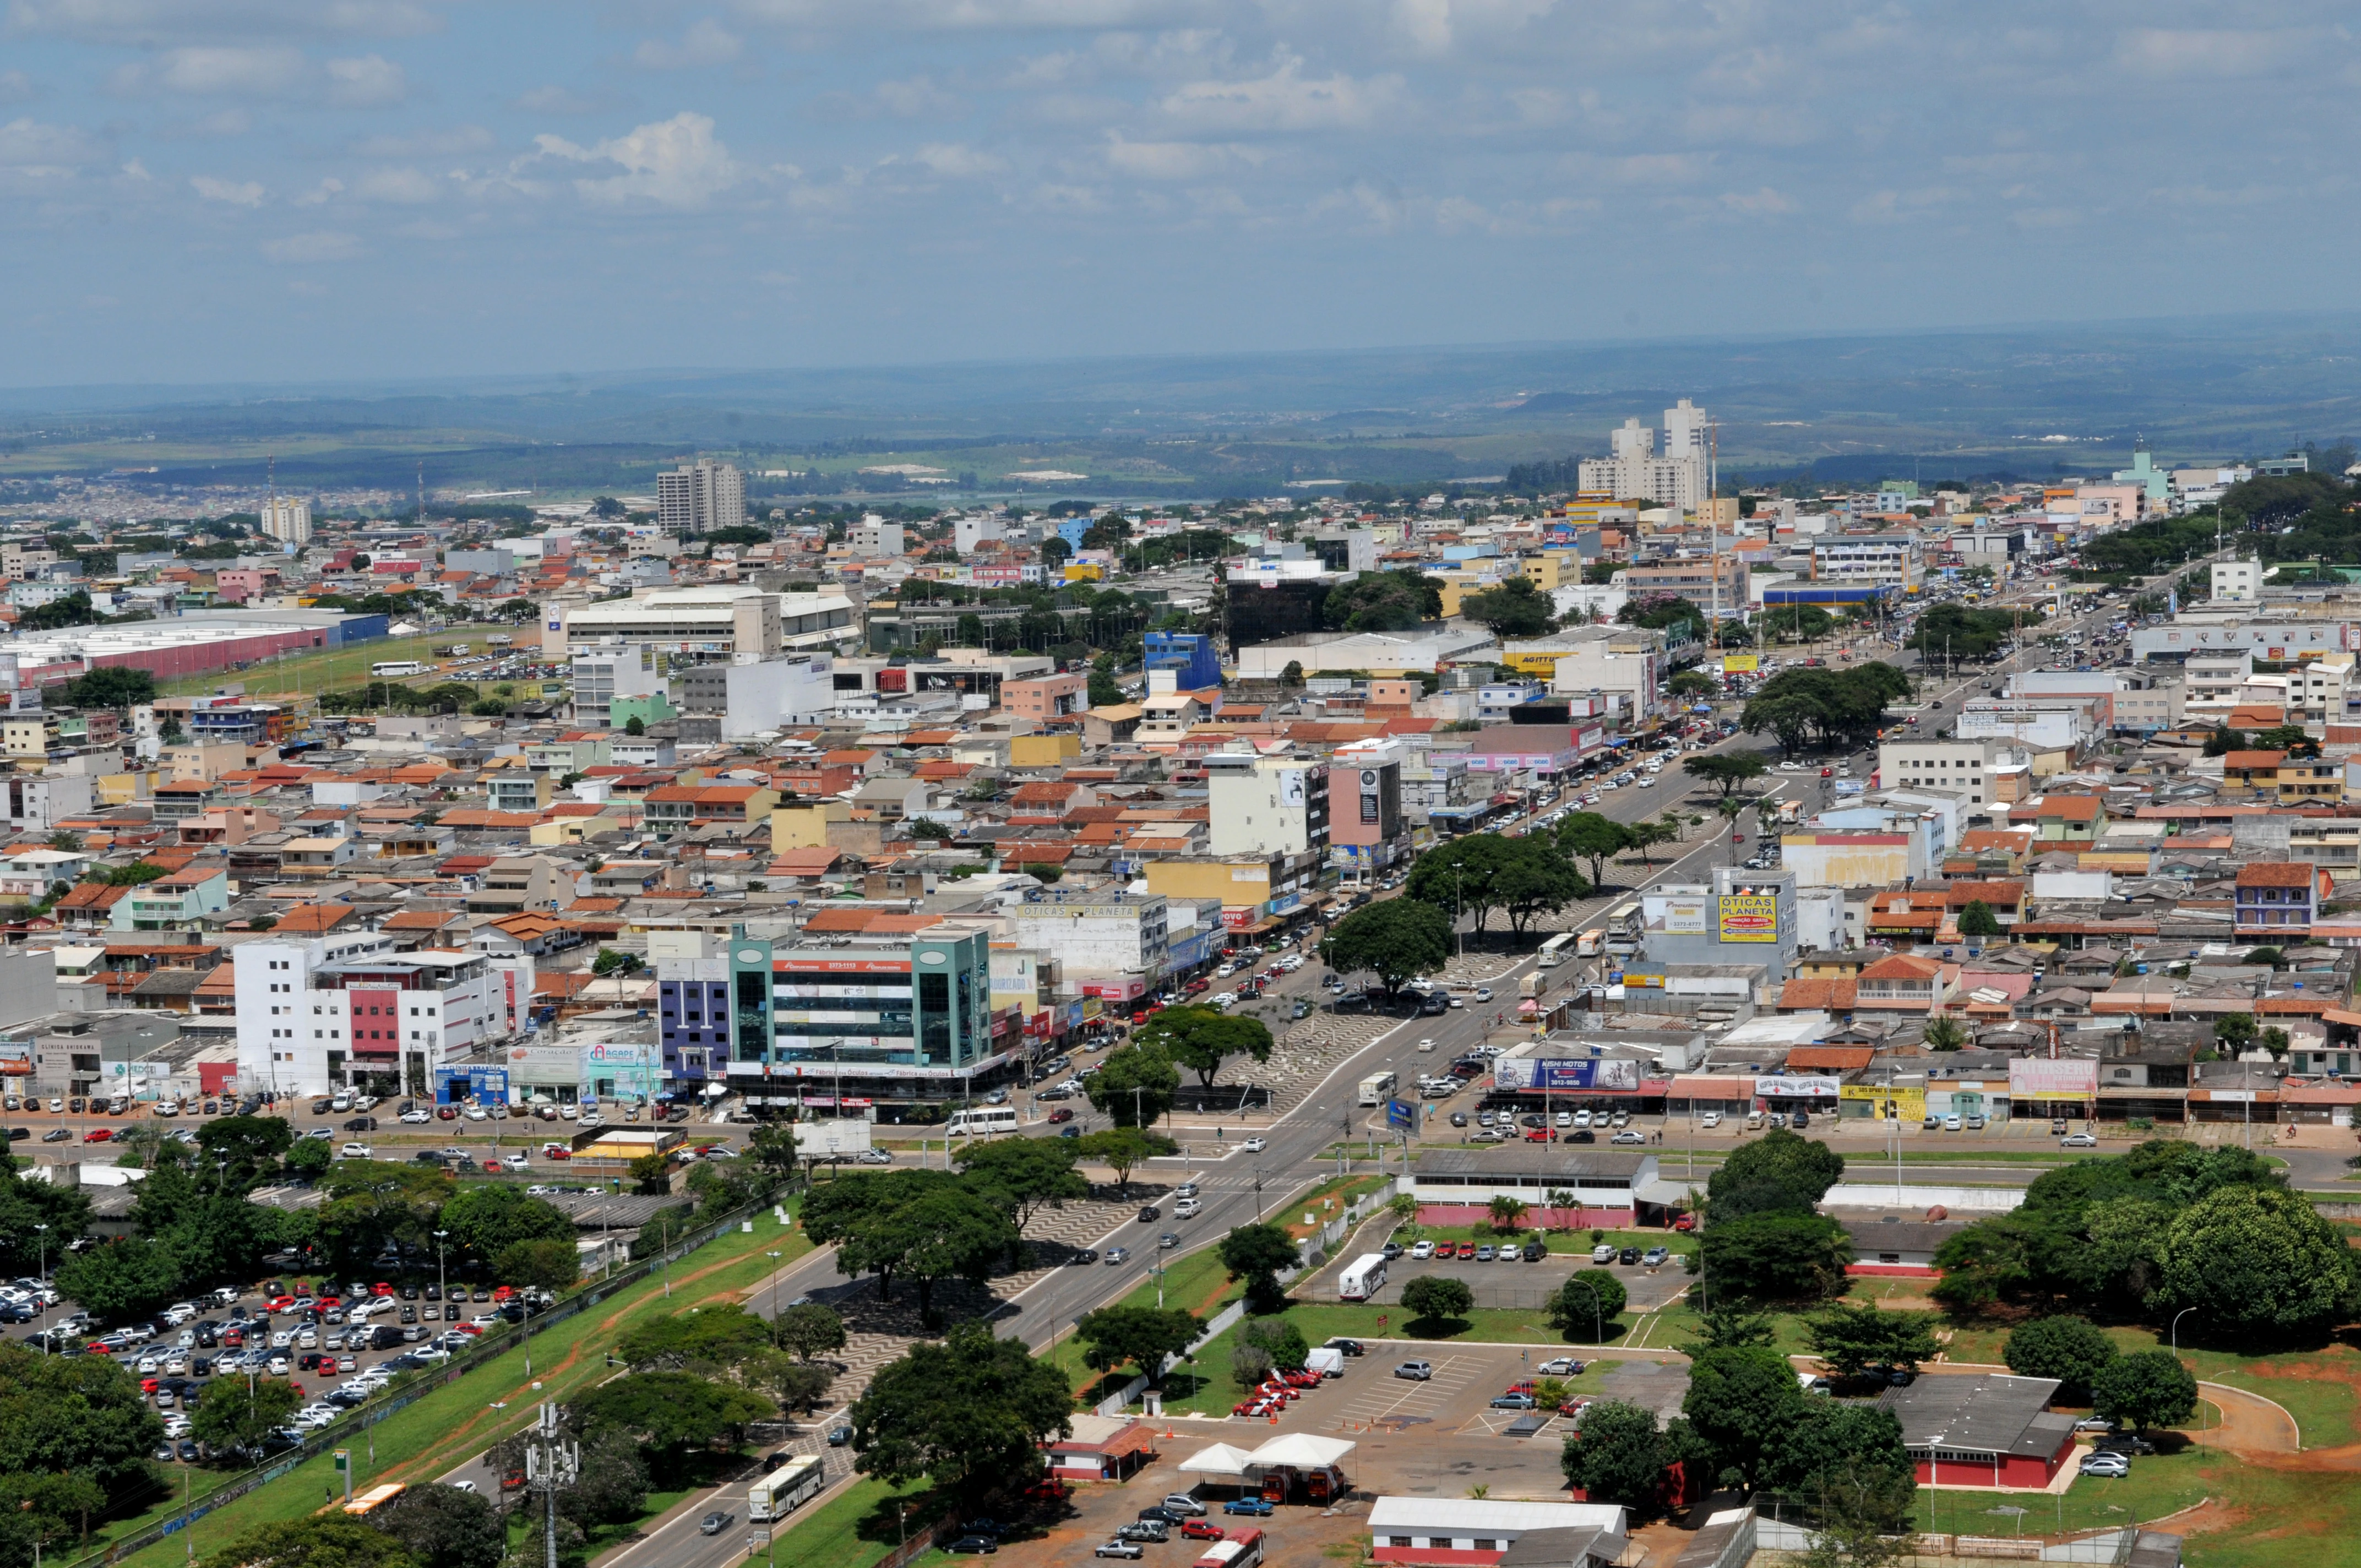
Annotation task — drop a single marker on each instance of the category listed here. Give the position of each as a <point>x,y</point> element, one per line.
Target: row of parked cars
<point>1178,1511</point>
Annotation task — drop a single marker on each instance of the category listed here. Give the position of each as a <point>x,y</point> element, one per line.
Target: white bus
<point>389,667</point>
<point>1363,1278</point>
<point>1553,950</point>
<point>785,1489</point>
<point>984,1120</point>
<point>1376,1087</point>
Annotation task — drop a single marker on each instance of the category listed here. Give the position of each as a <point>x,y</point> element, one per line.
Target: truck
<point>1363,1278</point>
<point>1376,1088</point>
<point>785,1489</point>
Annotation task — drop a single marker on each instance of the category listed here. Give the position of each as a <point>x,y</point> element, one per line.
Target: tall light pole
<point>442,1288</point>
<point>43,1233</point>
<point>2175,1327</point>
<point>774,1282</point>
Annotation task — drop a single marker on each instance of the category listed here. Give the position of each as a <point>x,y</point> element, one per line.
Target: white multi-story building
<point>698,498</point>
<point>287,520</point>
<point>1883,560</point>
<point>1266,806</point>
<point>2238,581</point>
<point>1097,938</point>
<point>967,532</point>
<point>874,536</point>
<point>1680,479</point>
<point>605,671</point>
<point>1966,765</point>
<point>319,1014</point>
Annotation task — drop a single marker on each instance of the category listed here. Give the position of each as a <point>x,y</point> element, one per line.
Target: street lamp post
<point>43,1233</point>
<point>774,1282</point>
<point>441,1287</point>
<point>2175,1327</point>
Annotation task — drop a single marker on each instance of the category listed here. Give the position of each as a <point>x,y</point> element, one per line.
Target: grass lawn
<point>855,1527</point>
<point>308,675</point>
<point>2159,1484</point>
<point>427,1438</point>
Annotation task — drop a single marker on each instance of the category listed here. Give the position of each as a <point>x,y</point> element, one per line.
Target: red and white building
<point>317,1015</point>
<point>1990,1430</point>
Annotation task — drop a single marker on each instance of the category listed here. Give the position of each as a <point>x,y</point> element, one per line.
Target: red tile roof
<point>2276,873</point>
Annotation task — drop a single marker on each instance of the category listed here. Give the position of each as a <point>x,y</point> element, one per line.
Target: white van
<point>982,1121</point>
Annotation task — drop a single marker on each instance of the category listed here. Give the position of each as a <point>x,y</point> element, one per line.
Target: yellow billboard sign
<point>1748,917</point>
<point>1740,663</point>
<point>1886,1100</point>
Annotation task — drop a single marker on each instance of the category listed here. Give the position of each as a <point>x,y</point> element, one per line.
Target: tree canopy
<point>1835,706</point>
<point>1394,938</point>
<point>1382,601</point>
<point>1726,769</point>
<point>1779,1171</point>
<point>1202,1038</point>
<point>1515,609</point>
<point>969,1414</point>
<point>1590,836</point>
<point>1134,1086</point>
<point>1142,1336</point>
<point>1256,1254</point>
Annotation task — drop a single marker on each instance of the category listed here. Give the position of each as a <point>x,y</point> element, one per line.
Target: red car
<point>1198,987</point>
<point>98,1136</point>
<point>1685,1223</point>
<point>470,1329</point>
<point>1468,1251</point>
<point>447,1113</point>
<point>287,1303</point>
<point>1062,1114</point>
<point>1537,1135</point>
<point>329,1303</point>
<point>557,1154</point>
<point>1827,772</point>
<point>1202,1529</point>
<point>381,1289</point>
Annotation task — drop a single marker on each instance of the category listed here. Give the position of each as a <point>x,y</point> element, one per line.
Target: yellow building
<point>805,827</point>
<point>25,735</point>
<point>1084,571</point>
<point>1550,572</point>
<point>1241,883</point>
<point>1044,751</point>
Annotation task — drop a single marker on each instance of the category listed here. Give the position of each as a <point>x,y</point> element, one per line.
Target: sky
<point>206,191</point>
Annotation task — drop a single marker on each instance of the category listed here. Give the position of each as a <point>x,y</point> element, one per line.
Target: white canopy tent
<point>1301,1451</point>
<point>1220,1461</point>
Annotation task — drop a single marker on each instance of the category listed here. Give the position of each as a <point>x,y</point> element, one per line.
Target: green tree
<point>809,1330</point>
<point>1515,609</point>
<point>1618,1455</point>
<point>1382,601</point>
<point>1829,1436</point>
<point>938,1233</point>
<point>1509,1213</point>
<point>2235,1031</point>
<point>1134,1086</point>
<point>970,1414</point>
<point>2255,1262</point>
<point>64,1416</point>
<point>306,1160</point>
<point>112,687</point>
<point>1142,1336</point>
<point>2066,1348</point>
<point>1775,1256</point>
<point>1022,1176</point>
<point>444,1526</point>
<point>1863,1513</point>
<point>320,1540</point>
<point>26,1204</point>
<point>710,1338</point>
<point>1256,1254</point>
<point>609,1487</point>
<point>1436,1298</point>
<point>1662,612</point>
<point>1105,691</point>
<point>235,1414</point>
<point>1850,1340</point>
<point>1281,1338</point>
<point>1533,877</point>
<point>2223,740</point>
<point>1588,836</point>
<point>773,1148</point>
<point>1726,769</point>
<point>1693,683</point>
<point>1202,1038</point>
<point>1978,920</point>
<point>487,1219</point>
<point>793,1383</point>
<point>2144,1388</point>
<point>652,1174</point>
<point>613,959</point>
<point>1588,1300</point>
<point>1741,1403</point>
<point>1460,876</point>
<point>1394,938</point>
<point>671,1414</point>
<point>1122,1149</point>
<point>1726,1327</point>
<point>1777,1171</point>
<point>131,1277</point>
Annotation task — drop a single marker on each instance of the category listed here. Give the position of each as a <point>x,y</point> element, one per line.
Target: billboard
<point>832,1137</point>
<point>1812,1087</point>
<point>1531,1074</point>
<point>484,1085</point>
<point>1402,1115</point>
<point>544,1063</point>
<point>1886,1100</point>
<point>1686,915</point>
<point>2036,1078</point>
<point>1740,663</point>
<point>16,1058</point>
<point>1750,918</point>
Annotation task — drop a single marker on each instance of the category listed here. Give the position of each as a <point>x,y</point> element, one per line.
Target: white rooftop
<point>1498,1515</point>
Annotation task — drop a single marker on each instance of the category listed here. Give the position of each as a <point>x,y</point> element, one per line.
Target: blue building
<point>1189,654</point>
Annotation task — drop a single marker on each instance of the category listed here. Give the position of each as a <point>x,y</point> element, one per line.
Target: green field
<point>308,675</point>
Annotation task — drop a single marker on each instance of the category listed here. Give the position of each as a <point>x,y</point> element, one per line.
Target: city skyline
<point>216,190</point>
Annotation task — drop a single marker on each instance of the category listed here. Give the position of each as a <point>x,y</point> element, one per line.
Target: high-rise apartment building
<point>287,520</point>
<point>700,497</point>
<point>1682,477</point>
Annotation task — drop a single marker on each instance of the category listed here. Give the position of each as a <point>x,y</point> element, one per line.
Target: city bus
<point>385,669</point>
<point>983,1121</point>
<point>785,1489</point>
<point>375,1499</point>
<point>1376,1088</point>
<point>1586,945</point>
<point>1242,1549</point>
<point>1554,951</point>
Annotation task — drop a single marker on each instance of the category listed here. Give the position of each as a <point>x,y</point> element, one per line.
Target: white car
<point>1602,1253</point>
<point>477,1113</point>
<point>1483,993</point>
<point>416,1118</point>
<point>1422,1249</point>
<point>356,1151</point>
<point>150,1366</point>
<point>1710,1118</point>
<point>518,1162</point>
<point>1253,1146</point>
<point>178,1426</point>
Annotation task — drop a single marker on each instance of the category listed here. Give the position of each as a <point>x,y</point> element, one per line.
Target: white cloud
<point>265,70</point>
<point>2211,52</point>
<point>408,187</point>
<point>319,194</point>
<point>427,143</point>
<point>1173,159</point>
<point>956,161</point>
<point>36,155</point>
<point>247,193</point>
<point>148,23</point>
<point>1285,100</point>
<point>1762,202</point>
<point>319,245</point>
<point>916,96</point>
<point>370,81</point>
<point>675,162</point>
<point>706,43</point>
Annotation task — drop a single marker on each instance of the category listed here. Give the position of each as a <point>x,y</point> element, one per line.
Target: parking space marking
<point>1452,1374</point>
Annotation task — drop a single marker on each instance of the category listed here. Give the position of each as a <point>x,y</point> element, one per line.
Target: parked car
<point>2079,1141</point>
<point>1113,1548</point>
<point>1419,1371</point>
<point>1258,1507</point>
